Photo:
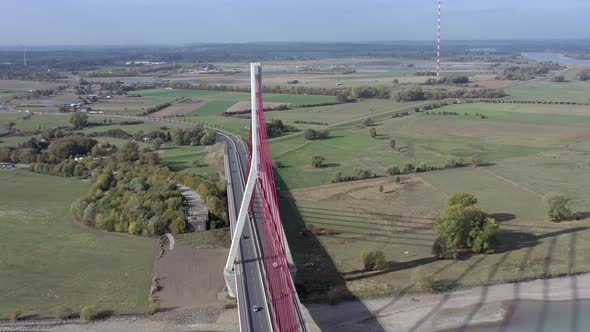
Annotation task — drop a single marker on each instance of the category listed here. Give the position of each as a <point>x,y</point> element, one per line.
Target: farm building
<point>197,215</point>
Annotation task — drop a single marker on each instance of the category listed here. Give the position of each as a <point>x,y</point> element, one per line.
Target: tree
<point>368,122</point>
<point>393,171</point>
<point>373,132</point>
<point>584,75</point>
<point>208,138</point>
<point>157,143</point>
<point>476,161</point>
<point>129,152</point>
<point>461,199</point>
<point>558,78</point>
<point>408,168</point>
<point>317,161</point>
<point>79,120</point>
<point>312,134</point>
<point>392,144</point>
<point>556,207</point>
<point>373,260</point>
<point>466,228</point>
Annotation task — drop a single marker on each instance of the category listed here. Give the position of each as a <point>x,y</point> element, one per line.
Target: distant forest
<point>85,57</point>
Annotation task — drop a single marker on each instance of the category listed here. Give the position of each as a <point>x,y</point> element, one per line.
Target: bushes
<point>15,315</point>
<point>408,168</point>
<point>393,171</point>
<point>556,207</point>
<point>461,199</point>
<point>317,161</point>
<point>276,128</point>
<point>373,260</point>
<point>312,134</point>
<point>88,313</point>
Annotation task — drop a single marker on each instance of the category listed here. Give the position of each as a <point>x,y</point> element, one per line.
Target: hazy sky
<point>49,22</point>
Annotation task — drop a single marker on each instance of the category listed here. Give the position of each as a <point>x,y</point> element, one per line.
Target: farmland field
<point>530,150</point>
<point>508,131</point>
<point>49,260</point>
<point>545,90</point>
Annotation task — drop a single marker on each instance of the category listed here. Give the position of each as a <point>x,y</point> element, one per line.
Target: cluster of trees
<point>156,108</point>
<point>558,78</point>
<point>317,123</point>
<point>528,72</point>
<point>377,92</point>
<point>54,151</point>
<point>78,120</point>
<point>293,90</point>
<point>416,93</point>
<point>433,106</point>
<point>464,227</point>
<point>423,167</point>
<point>67,168</point>
<point>138,200</point>
<point>583,75</point>
<point>196,135</point>
<point>441,113</point>
<point>312,134</point>
<point>544,102</point>
<point>276,128</point>
<point>449,80</point>
<point>359,174</point>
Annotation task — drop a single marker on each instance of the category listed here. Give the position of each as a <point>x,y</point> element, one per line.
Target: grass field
<point>22,86</point>
<point>544,89</point>
<point>509,131</point>
<point>48,260</point>
<point>532,150</point>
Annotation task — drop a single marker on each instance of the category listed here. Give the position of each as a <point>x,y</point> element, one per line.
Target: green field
<point>48,260</point>
<point>531,150</point>
<point>545,90</point>
<point>509,131</point>
<point>180,158</point>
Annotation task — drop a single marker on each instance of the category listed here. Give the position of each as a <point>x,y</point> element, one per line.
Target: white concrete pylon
<point>255,72</point>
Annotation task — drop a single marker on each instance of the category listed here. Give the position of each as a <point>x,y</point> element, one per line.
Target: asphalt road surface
<point>248,267</point>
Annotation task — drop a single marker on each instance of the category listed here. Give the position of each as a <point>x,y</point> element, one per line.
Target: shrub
<point>461,199</point>
<point>373,260</point>
<point>393,171</point>
<point>317,161</point>
<point>556,207</point>
<point>16,315</point>
<point>153,308</point>
<point>476,161</point>
<point>63,312</point>
<point>408,168</point>
<point>87,313</point>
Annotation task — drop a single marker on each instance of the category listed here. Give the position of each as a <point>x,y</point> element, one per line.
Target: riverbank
<point>445,311</point>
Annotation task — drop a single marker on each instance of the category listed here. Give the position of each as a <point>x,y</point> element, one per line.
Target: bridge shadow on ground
<point>318,281</point>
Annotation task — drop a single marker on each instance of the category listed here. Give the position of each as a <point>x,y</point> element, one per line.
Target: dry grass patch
<point>181,108</point>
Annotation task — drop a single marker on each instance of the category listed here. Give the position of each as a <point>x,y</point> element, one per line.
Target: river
<point>555,57</point>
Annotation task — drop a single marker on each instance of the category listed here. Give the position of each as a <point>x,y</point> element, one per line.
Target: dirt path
<point>190,277</point>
